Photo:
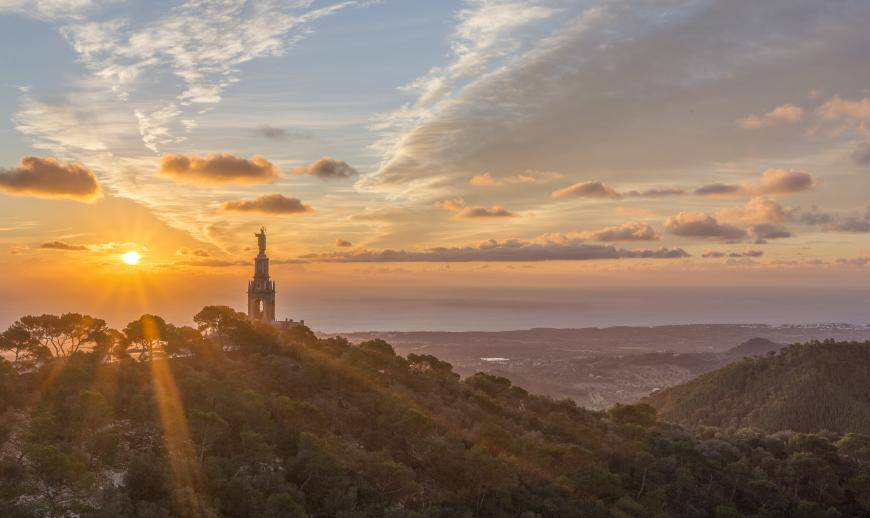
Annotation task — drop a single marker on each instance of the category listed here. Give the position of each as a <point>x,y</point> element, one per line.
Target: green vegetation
<point>238,419</point>
<point>818,386</point>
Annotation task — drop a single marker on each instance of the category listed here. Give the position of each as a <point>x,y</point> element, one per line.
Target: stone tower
<point>261,290</point>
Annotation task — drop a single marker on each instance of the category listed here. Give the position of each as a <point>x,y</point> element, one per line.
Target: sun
<point>131,258</point>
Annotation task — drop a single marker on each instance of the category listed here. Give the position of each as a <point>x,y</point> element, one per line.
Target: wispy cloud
<point>201,43</point>
<point>51,9</point>
<point>781,115</point>
<point>529,177</point>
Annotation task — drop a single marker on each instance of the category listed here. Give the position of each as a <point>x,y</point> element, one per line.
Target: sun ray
<point>183,464</point>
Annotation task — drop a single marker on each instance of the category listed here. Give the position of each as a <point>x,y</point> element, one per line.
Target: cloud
<point>587,190</point>
<point>773,182</point>
<point>782,181</point>
<point>271,132</point>
<point>719,190</point>
<point>66,124</point>
<point>766,231</point>
<point>114,247</point>
<point>49,9</point>
<point>389,215</point>
<point>192,252</point>
<point>701,226</point>
<point>855,223</point>
<point>811,217</point>
<point>60,245</point>
<point>781,115</point>
<point>494,212</point>
<point>855,262</point>
<point>189,41</point>
<point>732,255</point>
<point>507,250</point>
<point>218,169</point>
<point>755,212</point>
<point>50,178</point>
<point>343,243</point>
<point>453,204</point>
<point>524,178</point>
<point>563,94</point>
<point>270,204</point>
<point>861,155</point>
<point>210,263</point>
<point>328,169</point>
<point>463,211</point>
<point>155,126</point>
<point>630,231</point>
<point>659,192</point>
<point>839,108</point>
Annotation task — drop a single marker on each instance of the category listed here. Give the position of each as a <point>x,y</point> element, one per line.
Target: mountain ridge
<point>804,388</point>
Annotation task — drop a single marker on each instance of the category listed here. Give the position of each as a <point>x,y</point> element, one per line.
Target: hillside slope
<point>262,424</point>
<point>803,388</point>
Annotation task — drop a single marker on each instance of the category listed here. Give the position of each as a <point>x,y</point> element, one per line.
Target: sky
<point>449,165</point>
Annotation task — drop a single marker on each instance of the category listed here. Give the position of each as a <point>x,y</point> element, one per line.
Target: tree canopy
<point>238,419</point>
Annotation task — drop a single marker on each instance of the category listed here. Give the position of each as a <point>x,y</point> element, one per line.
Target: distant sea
<point>508,309</point>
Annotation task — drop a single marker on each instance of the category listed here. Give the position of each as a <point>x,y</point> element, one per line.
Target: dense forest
<point>236,418</point>
<point>817,386</point>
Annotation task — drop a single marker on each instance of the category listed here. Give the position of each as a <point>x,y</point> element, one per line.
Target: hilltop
<point>804,388</point>
<point>240,419</point>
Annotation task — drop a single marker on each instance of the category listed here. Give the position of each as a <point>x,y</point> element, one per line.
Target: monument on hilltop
<point>261,290</point>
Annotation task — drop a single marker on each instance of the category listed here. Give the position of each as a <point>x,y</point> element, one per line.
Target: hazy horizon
<point>518,309</point>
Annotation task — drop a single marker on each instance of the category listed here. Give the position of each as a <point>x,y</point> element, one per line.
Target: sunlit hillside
<point>236,418</point>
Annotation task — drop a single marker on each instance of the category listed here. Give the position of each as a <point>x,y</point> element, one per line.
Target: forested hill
<point>804,388</point>
<point>237,419</point>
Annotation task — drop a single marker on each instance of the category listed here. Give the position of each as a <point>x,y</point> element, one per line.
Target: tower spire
<point>261,289</point>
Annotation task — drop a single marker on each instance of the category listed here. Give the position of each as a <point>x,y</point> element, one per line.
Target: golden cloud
<point>525,178</point>
<point>61,245</point>
<point>269,204</point>
<point>755,212</point>
<point>587,190</point>
<point>785,114</point>
<point>702,226</point>
<point>463,211</point>
<point>630,231</point>
<point>218,169</point>
<point>773,182</point>
<point>327,168</point>
<point>50,178</point>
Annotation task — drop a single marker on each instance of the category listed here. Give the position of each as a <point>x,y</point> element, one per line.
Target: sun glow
<point>131,257</point>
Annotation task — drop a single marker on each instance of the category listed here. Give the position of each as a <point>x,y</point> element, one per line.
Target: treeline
<point>804,388</point>
<point>233,418</point>
<point>36,339</point>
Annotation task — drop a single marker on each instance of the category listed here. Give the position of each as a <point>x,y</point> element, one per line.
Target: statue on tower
<point>261,240</point>
<point>261,289</point>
